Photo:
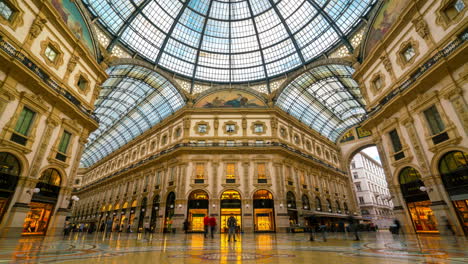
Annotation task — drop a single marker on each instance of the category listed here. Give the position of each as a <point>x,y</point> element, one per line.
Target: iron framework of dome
<point>229,41</point>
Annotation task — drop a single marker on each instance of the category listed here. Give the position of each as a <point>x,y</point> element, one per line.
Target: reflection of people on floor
<point>232,225</point>
<point>206,225</point>
<point>212,226</point>
<point>186,226</point>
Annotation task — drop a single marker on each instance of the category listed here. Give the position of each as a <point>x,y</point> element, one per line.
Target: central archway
<point>264,212</point>
<point>231,204</point>
<point>197,209</point>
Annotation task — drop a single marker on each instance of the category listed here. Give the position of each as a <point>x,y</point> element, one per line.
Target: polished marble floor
<point>380,247</point>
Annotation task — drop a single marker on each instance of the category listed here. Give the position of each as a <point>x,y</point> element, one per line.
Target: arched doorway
<point>43,203</point>
<point>264,215</point>
<point>170,209</point>
<point>305,202</point>
<point>10,170</point>
<point>154,213</point>
<point>141,218</point>
<point>292,209</point>
<point>453,169</point>
<point>197,209</point>
<point>230,205</point>
<point>417,201</point>
<point>318,204</point>
<point>131,218</point>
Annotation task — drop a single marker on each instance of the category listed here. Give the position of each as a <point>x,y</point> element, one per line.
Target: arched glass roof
<point>132,100</point>
<point>229,41</point>
<point>326,98</point>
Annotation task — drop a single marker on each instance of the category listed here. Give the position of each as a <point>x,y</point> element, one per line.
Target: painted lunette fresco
<point>72,16</point>
<point>230,99</point>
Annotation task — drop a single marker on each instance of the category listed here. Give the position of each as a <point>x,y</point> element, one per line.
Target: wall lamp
<point>281,205</point>
<point>180,206</point>
<point>425,189</point>
<point>33,191</point>
<point>74,198</point>
<point>247,205</point>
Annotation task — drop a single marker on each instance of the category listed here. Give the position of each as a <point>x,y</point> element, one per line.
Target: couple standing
<point>209,223</point>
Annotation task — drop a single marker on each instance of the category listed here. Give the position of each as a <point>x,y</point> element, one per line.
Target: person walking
<point>353,223</point>
<point>232,225</point>
<point>323,230</point>
<point>206,225</point>
<point>212,223</point>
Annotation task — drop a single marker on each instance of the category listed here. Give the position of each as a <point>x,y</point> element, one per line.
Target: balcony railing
<point>18,55</point>
<point>215,145</point>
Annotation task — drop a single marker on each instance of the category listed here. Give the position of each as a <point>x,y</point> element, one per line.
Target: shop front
<point>453,169</point>
<point>292,209</point>
<point>231,205</point>
<point>9,171</point>
<point>417,201</point>
<point>197,209</point>
<point>42,203</point>
<point>264,215</point>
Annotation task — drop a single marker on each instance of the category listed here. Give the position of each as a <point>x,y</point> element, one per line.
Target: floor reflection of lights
<point>249,248</point>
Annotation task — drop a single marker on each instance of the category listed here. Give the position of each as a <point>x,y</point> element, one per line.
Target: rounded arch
<point>318,203</point>
<point>149,66</point>
<point>230,194</point>
<point>291,200</point>
<point>305,202</point>
<point>349,154</point>
<point>440,154</point>
<point>51,176</point>
<point>24,164</point>
<point>254,192</point>
<point>190,192</point>
<point>156,198</point>
<point>321,62</point>
<point>61,171</point>
<point>261,194</point>
<point>230,189</point>
<point>453,169</point>
<point>198,194</point>
<point>396,174</point>
<point>170,197</point>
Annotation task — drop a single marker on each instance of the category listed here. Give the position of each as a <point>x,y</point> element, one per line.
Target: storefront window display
<point>263,211</point>
<point>37,219</point>
<point>423,217</point>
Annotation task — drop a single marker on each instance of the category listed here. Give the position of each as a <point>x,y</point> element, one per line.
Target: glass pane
<point>396,143</point>
<point>229,41</point>
<point>5,10</point>
<point>436,125</point>
<point>25,121</point>
<point>64,142</point>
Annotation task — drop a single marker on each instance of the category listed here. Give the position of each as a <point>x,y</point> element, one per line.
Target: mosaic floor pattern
<point>373,248</point>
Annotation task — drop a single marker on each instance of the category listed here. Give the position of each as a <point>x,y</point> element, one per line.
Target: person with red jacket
<point>212,226</point>
<point>206,225</point>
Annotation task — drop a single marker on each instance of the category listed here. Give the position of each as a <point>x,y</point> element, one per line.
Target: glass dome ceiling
<point>229,41</point>
<point>133,99</point>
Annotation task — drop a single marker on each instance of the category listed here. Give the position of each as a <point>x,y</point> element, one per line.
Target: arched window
<point>198,195</point>
<point>291,200</point>
<point>329,205</point>
<point>9,164</point>
<point>338,206</point>
<point>305,202</point>
<point>453,168</point>
<point>51,177</point>
<point>263,194</point>
<point>409,175</point>
<point>318,204</point>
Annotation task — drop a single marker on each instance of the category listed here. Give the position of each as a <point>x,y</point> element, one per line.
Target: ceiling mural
<point>72,16</point>
<point>230,99</point>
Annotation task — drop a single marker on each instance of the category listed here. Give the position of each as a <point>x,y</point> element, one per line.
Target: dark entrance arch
<point>230,205</point>
<point>264,215</point>
<point>292,209</point>
<point>197,209</point>
<point>43,203</point>
<point>453,169</point>
<point>154,213</point>
<point>417,201</point>
<point>170,209</point>
<point>141,220</point>
<point>10,170</point>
